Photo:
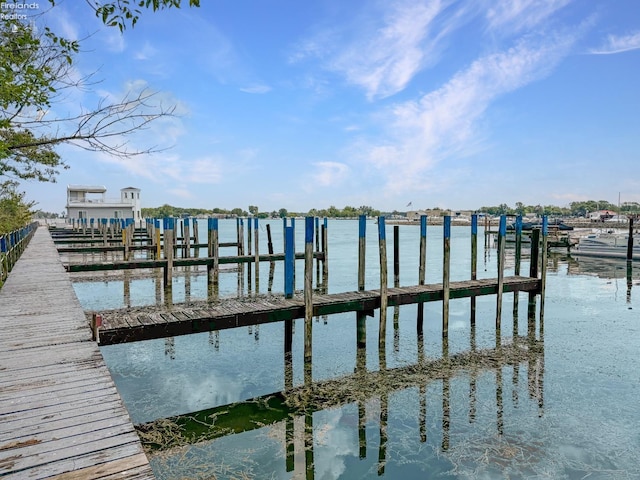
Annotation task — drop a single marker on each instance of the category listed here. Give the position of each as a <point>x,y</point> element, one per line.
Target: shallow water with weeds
<point>561,406</point>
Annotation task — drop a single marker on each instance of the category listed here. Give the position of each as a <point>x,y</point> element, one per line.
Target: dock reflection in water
<point>405,415</point>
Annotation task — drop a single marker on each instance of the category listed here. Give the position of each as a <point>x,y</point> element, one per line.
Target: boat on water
<point>607,244</point>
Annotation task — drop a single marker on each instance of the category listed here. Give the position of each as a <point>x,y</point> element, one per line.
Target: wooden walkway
<point>120,326</point>
<point>60,414</point>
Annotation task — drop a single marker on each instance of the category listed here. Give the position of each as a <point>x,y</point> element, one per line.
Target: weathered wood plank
<point>60,413</point>
<point>235,313</point>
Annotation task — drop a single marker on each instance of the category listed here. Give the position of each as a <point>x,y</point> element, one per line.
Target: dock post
<point>257,255</point>
<point>533,273</point>
<point>196,235</point>
<point>104,231</point>
<point>422,266</point>
<point>543,272</point>
<point>518,253</point>
<point>362,245</point>
<point>474,264</point>
<point>293,224</point>
<point>269,240</point>
<point>361,317</point>
<point>502,232</point>
<point>325,255</point>
<point>317,249</point>
<point>446,263</point>
<point>212,251</point>
<point>186,239</point>
<point>125,245</point>
<point>272,264</point>
<point>249,254</point>
<point>156,228</point>
<point>630,241</point>
<point>308,288</point>
<point>289,264</point>
<point>382,240</point>
<point>249,236</point>
<point>284,234</point>
<point>91,223</point>
<point>396,256</point>
<point>96,323</point>
<point>168,251</point>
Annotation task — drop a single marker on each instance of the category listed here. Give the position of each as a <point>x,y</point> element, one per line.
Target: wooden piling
<point>308,288</point>
<point>212,252</point>
<point>104,231</point>
<point>289,264</point>
<point>630,241</point>
<point>269,241</point>
<point>396,256</point>
<point>257,255</point>
<point>325,255</point>
<point>249,236</point>
<point>502,232</point>
<point>543,273</point>
<point>422,268</point>
<point>474,263</point>
<point>168,251</point>
<point>196,233</point>
<point>382,240</point>
<point>187,239</point>
<point>446,263</point>
<point>533,273</point>
<point>96,323</point>
<point>362,246</point>
<point>518,260</point>
<point>361,317</point>
<point>156,227</point>
<point>125,244</point>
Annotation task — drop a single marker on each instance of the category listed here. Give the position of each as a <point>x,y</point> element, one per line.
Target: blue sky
<point>299,105</point>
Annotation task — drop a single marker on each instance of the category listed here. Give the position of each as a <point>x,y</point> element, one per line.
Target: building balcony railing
<point>100,201</point>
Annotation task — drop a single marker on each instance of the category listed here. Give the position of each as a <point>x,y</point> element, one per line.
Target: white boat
<point>612,245</point>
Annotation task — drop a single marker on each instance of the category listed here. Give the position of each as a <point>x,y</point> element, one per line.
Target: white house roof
<point>130,188</point>
<point>87,188</point>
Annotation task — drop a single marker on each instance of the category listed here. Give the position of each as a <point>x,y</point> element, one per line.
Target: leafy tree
<point>124,13</point>
<point>253,210</point>
<point>36,72</point>
<point>15,212</point>
<point>282,213</point>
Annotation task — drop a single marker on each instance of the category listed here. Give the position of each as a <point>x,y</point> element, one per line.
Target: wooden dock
<point>60,414</point>
<point>120,326</point>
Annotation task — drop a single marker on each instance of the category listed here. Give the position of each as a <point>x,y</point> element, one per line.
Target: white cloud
<point>330,174</point>
<point>382,51</point>
<point>518,15</point>
<point>146,52</point>
<point>618,44</point>
<point>256,89</point>
<point>444,124</point>
<point>384,59</point>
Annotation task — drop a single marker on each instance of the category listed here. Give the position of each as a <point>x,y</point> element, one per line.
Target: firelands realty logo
<point>16,11</point>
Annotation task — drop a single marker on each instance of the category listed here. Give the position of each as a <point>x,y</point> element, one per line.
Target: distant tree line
<point>171,211</point>
<point>575,209</point>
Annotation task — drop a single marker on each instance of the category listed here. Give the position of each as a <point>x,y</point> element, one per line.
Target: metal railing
<point>12,245</point>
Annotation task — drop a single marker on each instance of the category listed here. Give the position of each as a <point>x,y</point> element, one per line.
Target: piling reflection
<point>372,394</point>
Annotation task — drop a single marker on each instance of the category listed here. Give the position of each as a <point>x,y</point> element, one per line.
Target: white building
<point>90,201</point>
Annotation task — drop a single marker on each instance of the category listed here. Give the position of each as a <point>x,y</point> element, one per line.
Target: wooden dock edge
<point>60,414</point>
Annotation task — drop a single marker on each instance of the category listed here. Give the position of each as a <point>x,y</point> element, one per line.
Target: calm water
<point>569,411</point>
